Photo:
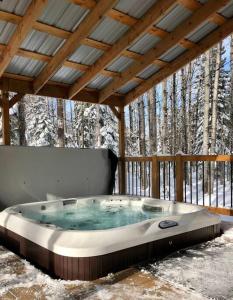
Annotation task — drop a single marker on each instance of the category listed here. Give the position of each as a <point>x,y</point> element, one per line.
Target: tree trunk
<point>60,123</point>
<point>164,124</point>
<point>215,100</point>
<point>189,115</point>
<point>173,116</point>
<point>97,133</point>
<point>206,117</point>
<point>152,121</point>
<point>22,123</point>
<point>231,103</point>
<point>142,144</point>
<point>183,123</point>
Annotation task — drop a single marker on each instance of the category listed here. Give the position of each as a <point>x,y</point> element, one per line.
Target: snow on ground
<point>205,268</point>
<point>200,272</point>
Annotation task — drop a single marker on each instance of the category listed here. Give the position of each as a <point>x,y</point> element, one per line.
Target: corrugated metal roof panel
<point>227,11</point>
<point>149,71</point>
<point>42,42</point>
<point>172,53</point>
<point>120,64</point>
<point>144,44</point>
<point>67,75</point>
<point>66,15</point>
<point>174,18</point>
<point>25,66</point>
<point>134,8</point>
<point>100,82</point>
<point>17,7</point>
<point>128,87</point>
<point>86,55</point>
<point>6,31</point>
<point>109,31</point>
<point>201,31</point>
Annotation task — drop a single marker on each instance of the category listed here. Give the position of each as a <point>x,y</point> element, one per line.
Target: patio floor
<point>200,272</point>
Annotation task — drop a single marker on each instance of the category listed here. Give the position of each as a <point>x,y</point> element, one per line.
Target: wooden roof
<point>103,51</point>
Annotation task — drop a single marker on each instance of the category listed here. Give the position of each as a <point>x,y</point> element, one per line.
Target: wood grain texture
<point>91,268</point>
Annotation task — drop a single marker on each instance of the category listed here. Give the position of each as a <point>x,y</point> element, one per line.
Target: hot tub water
<point>94,216</point>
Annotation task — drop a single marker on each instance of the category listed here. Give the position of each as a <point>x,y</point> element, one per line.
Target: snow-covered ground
<point>200,272</point>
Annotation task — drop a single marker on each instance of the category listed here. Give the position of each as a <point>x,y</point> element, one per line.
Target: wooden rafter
<point>207,42</point>
<point>64,34</point>
<point>155,13</point>
<point>73,42</point>
<point>197,18</point>
<point>24,85</point>
<point>23,28</point>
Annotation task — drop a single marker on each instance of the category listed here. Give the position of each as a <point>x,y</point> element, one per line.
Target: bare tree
<point>60,121</point>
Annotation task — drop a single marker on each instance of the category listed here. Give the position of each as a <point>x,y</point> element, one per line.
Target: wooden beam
<point>155,13</point>
<point>181,31</point>
<point>206,43</point>
<point>24,27</point>
<point>15,99</point>
<point>61,33</point>
<point>67,63</point>
<point>118,16</point>
<point>71,44</point>
<point>5,118</point>
<point>24,85</point>
<point>84,3</point>
<point>115,111</point>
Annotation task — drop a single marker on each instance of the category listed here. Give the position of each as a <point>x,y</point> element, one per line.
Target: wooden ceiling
<point>198,14</point>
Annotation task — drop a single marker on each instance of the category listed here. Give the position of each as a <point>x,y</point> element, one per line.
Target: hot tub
<point>87,238</point>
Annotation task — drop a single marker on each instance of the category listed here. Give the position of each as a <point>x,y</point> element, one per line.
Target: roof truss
<point>200,15</point>
<point>138,27</point>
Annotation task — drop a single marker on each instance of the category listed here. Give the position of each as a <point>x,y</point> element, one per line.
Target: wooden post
<point>5,119</point>
<point>155,177</point>
<point>122,176</point>
<point>179,178</point>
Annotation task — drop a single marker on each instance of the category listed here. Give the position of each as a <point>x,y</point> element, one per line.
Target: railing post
<point>122,170</point>
<point>155,177</point>
<point>179,178</point>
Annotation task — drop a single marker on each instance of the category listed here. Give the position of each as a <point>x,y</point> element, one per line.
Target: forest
<point>190,112</point>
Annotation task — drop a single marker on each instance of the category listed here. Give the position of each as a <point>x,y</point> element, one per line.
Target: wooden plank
<point>220,210</point>
<point>115,111</point>
<point>155,178</point>
<point>155,13</point>
<point>208,158</point>
<point>23,28</point>
<point>138,158</point>
<point>84,3</point>
<point>5,119</point>
<point>71,44</point>
<point>206,43</point>
<point>179,178</point>
<point>16,98</point>
<point>122,17</point>
<point>181,31</point>
<point>24,85</point>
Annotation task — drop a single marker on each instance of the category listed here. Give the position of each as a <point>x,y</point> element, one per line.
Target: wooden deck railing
<point>201,179</point>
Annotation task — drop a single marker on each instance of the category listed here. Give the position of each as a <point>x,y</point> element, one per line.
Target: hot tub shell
<point>88,255</point>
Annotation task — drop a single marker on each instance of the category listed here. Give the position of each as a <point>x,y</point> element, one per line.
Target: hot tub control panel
<point>167,224</point>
